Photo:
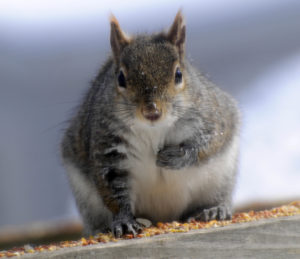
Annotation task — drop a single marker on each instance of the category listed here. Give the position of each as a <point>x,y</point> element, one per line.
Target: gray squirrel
<point>153,138</point>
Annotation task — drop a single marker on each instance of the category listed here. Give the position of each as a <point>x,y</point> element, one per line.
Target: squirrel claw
<point>215,213</point>
<point>123,227</point>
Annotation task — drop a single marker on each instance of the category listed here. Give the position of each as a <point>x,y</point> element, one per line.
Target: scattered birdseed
<point>161,228</point>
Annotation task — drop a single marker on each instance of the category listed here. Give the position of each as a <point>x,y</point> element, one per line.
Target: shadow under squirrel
<point>153,138</point>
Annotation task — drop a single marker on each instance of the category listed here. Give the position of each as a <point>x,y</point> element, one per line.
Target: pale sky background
<point>270,157</point>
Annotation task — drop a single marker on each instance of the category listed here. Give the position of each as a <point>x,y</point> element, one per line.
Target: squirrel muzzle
<point>151,111</point>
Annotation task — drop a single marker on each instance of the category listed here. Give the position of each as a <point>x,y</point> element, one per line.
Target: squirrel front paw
<point>176,156</point>
<point>220,212</point>
<point>122,225</point>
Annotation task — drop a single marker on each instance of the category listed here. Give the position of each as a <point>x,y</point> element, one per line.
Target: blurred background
<point>50,50</point>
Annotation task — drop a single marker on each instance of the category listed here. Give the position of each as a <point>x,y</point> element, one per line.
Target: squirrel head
<point>149,69</point>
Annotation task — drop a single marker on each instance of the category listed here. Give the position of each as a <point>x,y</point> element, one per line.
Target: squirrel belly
<point>160,194</point>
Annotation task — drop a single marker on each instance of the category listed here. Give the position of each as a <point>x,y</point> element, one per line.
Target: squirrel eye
<point>178,76</point>
<point>121,79</point>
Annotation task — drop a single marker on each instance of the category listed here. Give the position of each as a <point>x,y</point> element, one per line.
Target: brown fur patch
<point>118,39</point>
<point>176,34</point>
<point>111,203</point>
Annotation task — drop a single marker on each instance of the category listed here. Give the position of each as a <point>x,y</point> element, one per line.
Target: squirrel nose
<point>151,112</point>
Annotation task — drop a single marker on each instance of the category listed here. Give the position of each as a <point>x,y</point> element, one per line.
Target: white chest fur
<point>162,195</point>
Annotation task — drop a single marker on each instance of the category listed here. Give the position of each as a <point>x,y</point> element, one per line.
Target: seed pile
<point>161,228</point>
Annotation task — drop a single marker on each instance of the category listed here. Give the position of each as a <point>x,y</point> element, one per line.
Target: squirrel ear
<point>118,39</point>
<point>176,34</point>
